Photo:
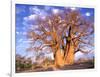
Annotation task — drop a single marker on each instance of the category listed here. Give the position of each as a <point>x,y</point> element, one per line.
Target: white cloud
<point>24,33</point>
<point>17,33</point>
<point>34,10</point>
<point>38,11</point>
<point>26,41</point>
<point>55,11</point>
<point>78,55</point>
<point>43,17</point>
<point>20,40</point>
<point>73,8</point>
<point>25,18</point>
<point>21,33</point>
<point>88,14</point>
<point>31,17</point>
<point>35,13</point>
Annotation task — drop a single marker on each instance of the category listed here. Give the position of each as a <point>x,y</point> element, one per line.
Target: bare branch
<point>85,52</point>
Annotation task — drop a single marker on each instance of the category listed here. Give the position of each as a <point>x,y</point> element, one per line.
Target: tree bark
<point>59,58</point>
<point>69,55</point>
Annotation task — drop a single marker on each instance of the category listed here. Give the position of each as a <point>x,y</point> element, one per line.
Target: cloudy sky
<point>25,19</point>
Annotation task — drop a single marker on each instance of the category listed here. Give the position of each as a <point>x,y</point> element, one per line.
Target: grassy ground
<point>82,65</point>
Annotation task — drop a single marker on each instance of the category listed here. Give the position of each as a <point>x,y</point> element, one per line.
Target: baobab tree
<point>65,33</point>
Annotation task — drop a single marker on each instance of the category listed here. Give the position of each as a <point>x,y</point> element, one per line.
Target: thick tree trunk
<point>59,58</point>
<point>69,55</point>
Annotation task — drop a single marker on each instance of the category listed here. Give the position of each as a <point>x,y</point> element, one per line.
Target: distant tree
<point>65,33</point>
<point>22,63</point>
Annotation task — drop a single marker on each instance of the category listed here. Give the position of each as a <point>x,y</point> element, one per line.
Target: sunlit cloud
<point>55,11</point>
<point>20,40</point>
<point>73,8</point>
<point>31,17</point>
<point>38,11</point>
<point>43,17</point>
<point>24,33</point>
<point>17,33</point>
<point>88,14</point>
<point>34,10</point>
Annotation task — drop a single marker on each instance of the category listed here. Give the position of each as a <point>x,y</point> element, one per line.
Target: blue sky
<point>25,19</point>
